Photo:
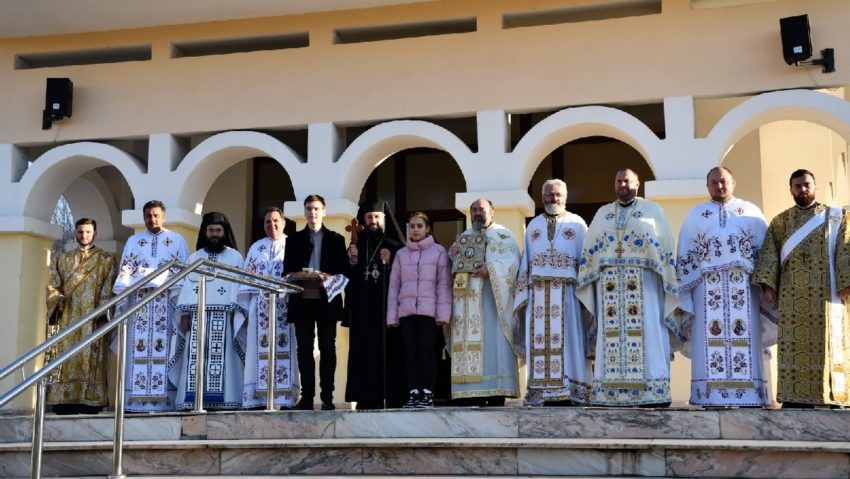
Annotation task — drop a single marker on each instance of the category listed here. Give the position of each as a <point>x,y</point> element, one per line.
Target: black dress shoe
<point>328,406</point>
<point>304,405</point>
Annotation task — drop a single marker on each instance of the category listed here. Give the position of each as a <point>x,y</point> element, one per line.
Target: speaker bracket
<point>46,120</point>
<point>826,60</point>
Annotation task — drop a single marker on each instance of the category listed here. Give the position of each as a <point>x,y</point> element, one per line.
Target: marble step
<point>734,424</point>
<point>456,442</point>
<point>335,477</point>
<point>444,456</point>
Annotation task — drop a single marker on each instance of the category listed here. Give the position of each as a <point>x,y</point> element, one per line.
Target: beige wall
<point>25,261</point>
<point>788,145</point>
<point>744,159</point>
<point>705,53</point>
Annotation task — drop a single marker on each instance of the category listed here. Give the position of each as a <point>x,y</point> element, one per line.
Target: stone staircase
<point>457,442</point>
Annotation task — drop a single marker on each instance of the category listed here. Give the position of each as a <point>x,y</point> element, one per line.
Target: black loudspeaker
<point>59,98</point>
<point>796,38</point>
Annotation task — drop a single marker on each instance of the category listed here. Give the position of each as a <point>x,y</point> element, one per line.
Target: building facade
<point>430,104</point>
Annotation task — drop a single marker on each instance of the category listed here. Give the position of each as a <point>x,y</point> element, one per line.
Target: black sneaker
<point>304,405</point>
<point>426,401</point>
<point>413,400</point>
<point>328,406</point>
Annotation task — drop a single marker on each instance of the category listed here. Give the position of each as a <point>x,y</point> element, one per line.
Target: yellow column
<point>675,210</point>
<point>25,259</point>
<point>338,222</point>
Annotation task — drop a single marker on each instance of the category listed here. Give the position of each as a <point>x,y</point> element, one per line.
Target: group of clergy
<point>161,350</point>
<point>595,312</point>
<point>600,310</point>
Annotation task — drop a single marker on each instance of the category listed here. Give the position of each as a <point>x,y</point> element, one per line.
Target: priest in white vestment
<point>727,323</point>
<point>551,323</point>
<point>266,258</point>
<point>483,363</point>
<point>627,280</point>
<point>149,331</point>
<point>223,358</point>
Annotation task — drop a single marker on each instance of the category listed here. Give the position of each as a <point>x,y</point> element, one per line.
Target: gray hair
<point>552,182</point>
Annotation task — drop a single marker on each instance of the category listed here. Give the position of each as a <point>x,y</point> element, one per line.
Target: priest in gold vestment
<point>80,280</point>
<point>804,267</point>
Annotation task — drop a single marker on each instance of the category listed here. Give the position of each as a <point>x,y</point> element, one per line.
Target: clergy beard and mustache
<point>803,200</point>
<point>374,234</point>
<point>554,209</point>
<point>215,245</point>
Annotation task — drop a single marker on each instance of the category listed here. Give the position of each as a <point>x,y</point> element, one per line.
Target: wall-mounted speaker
<point>58,101</point>
<point>59,98</point>
<point>796,38</point>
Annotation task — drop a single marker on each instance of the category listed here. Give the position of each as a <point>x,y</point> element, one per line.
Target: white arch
<point>806,105</point>
<point>87,197</point>
<point>207,161</point>
<point>573,123</point>
<point>377,143</point>
<point>56,169</point>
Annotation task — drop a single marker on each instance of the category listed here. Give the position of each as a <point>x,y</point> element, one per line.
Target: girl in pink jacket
<point>420,295</point>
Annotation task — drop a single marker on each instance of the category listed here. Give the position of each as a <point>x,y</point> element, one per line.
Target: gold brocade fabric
<point>84,280</point>
<point>468,325</point>
<point>806,362</point>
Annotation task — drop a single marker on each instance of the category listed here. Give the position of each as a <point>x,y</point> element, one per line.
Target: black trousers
<point>420,358</point>
<point>315,315</point>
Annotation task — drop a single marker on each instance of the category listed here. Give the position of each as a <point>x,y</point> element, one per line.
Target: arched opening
<point>369,147</point>
<point>588,187</point>
<point>100,194</point>
<point>244,191</point>
<point>766,137</point>
<point>585,146</point>
<point>240,174</point>
<point>420,179</point>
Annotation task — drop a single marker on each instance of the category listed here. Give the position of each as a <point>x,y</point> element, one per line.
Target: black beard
<point>374,234</point>
<point>804,200</point>
<point>215,247</point>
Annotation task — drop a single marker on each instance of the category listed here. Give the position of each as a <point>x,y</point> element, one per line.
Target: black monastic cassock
<point>369,338</point>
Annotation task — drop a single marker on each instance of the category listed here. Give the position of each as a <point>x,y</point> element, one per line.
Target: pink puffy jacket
<point>420,282</point>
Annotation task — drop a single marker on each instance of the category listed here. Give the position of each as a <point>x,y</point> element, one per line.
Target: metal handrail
<point>95,313</point>
<point>204,267</point>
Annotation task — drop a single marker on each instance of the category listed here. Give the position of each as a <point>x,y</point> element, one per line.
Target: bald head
<point>481,211</point>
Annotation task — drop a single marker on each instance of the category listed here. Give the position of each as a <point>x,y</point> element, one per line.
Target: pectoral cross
<point>374,274</point>
<point>619,249</point>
